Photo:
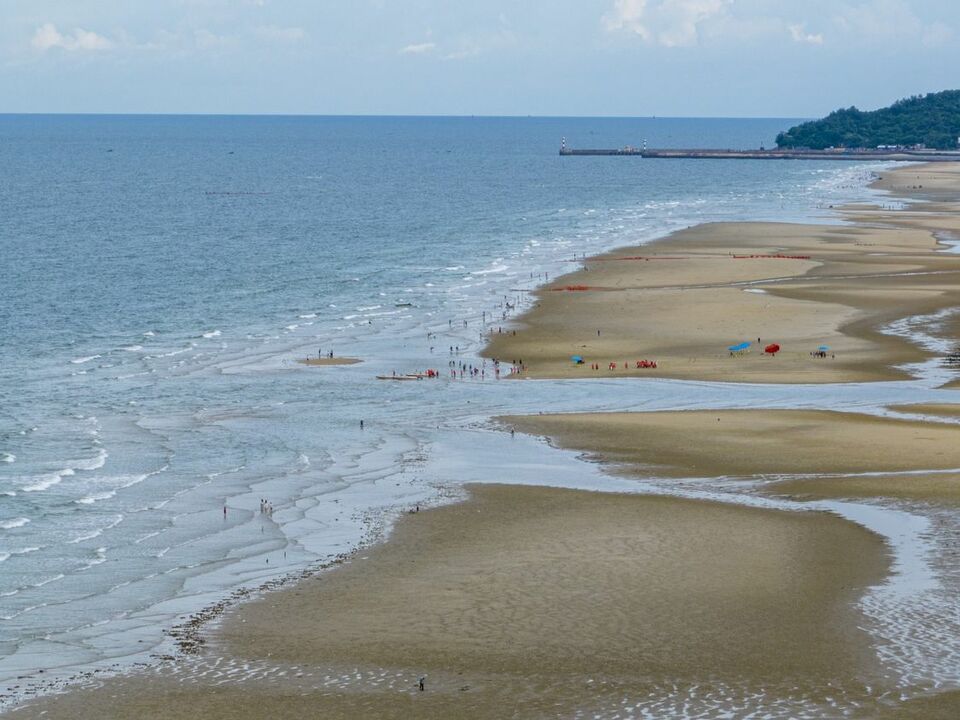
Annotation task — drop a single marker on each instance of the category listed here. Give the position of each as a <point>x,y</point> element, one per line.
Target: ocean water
<point>163,275</point>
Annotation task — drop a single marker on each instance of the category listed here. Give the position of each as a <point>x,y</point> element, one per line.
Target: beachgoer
<point>361,424</point>
<point>421,681</point>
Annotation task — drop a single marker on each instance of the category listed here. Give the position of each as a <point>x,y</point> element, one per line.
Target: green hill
<point>932,120</point>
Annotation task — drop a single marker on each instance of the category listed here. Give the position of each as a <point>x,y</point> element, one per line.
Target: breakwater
<point>712,154</point>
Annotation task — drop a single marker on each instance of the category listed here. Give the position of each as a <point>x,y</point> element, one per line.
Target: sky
<point>691,58</point>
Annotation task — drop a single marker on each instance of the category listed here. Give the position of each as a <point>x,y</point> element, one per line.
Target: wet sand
<point>535,602</point>
<point>682,301</point>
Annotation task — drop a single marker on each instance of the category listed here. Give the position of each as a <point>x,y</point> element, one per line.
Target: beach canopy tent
<point>576,358</point>
<point>823,348</point>
<point>740,347</point>
<point>772,349</point>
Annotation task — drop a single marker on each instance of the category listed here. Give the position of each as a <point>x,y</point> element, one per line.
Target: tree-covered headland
<point>931,120</point>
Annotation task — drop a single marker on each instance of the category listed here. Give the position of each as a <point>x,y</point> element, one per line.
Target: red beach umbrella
<point>772,349</point>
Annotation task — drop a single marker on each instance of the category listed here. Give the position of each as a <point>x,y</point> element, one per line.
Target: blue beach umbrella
<point>823,348</point>
<point>738,348</point>
<point>576,358</point>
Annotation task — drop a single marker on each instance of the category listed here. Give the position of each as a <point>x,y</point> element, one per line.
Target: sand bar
<point>800,454</point>
<point>319,362</point>
<point>534,602</point>
<point>746,443</point>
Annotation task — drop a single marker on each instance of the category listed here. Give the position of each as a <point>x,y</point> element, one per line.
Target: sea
<point>163,277</point>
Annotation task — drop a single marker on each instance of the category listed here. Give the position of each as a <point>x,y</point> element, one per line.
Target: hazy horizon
<point>408,115</point>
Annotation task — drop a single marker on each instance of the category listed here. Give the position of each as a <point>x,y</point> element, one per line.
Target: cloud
<point>627,15</point>
<point>274,33</point>
<point>799,34</point>
<point>671,23</point>
<point>418,49</point>
<point>890,21</point>
<point>48,37</point>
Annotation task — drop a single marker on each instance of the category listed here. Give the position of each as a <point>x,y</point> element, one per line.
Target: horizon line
<point>396,115</point>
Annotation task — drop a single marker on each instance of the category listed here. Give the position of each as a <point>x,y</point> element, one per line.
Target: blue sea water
<point>163,275</point>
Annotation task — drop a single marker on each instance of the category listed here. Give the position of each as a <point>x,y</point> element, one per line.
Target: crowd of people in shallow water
<point>462,370</point>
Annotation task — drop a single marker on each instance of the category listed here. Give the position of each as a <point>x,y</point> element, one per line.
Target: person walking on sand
<point>421,682</point>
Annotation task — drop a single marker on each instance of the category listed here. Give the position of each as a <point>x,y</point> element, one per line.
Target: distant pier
<point>710,154</point>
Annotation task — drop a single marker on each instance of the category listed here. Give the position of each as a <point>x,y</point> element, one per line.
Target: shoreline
<point>680,301</point>
<point>906,355</point>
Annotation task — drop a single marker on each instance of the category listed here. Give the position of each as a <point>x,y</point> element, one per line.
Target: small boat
<point>403,304</point>
<point>396,377</point>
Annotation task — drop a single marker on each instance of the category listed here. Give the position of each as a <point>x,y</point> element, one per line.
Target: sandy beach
<point>682,301</point>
